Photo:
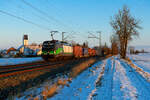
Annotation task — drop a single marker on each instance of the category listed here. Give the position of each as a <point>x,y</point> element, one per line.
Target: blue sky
<point>75,17</point>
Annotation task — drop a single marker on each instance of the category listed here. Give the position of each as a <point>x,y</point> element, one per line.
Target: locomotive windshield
<point>48,45</point>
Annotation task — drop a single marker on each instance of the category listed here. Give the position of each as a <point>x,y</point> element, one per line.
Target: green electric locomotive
<point>55,49</point>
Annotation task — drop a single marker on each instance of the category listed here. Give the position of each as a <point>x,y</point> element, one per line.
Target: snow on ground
<point>118,82</point>
<point>37,90</point>
<point>115,85</point>
<point>82,86</point>
<point>104,90</point>
<point>141,86</point>
<point>14,61</point>
<point>110,79</point>
<point>126,88</point>
<point>78,89</point>
<point>142,61</point>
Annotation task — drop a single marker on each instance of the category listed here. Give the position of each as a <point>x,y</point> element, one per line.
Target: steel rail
<point>10,72</point>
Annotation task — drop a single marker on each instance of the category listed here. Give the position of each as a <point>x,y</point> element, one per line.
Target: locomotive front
<point>56,50</point>
<point>48,49</point>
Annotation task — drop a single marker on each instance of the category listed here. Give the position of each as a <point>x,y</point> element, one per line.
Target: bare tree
<point>125,27</point>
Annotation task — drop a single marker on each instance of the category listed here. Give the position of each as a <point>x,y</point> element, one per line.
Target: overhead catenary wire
<point>96,37</point>
<point>47,15</point>
<point>25,20</point>
<point>59,14</point>
<point>43,13</point>
<point>37,15</point>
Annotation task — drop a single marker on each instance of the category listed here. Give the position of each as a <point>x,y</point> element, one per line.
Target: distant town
<point>34,49</point>
<point>24,50</point>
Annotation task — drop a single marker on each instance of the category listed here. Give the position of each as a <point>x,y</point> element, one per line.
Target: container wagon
<point>77,51</point>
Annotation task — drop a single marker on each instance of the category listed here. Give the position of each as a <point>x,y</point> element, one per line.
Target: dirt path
<point>121,82</point>
<point>142,87</point>
<point>104,90</point>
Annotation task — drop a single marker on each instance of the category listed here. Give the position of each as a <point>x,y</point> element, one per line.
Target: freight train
<point>55,49</point>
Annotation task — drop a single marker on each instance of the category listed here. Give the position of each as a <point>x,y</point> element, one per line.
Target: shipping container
<point>77,51</point>
<point>93,52</point>
<point>90,51</point>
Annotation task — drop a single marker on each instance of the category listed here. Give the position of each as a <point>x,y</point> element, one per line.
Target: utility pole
<point>63,36</point>
<point>99,41</point>
<point>97,37</point>
<point>52,34</point>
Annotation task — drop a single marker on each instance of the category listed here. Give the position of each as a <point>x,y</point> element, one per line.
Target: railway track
<point>13,70</point>
<point>6,71</point>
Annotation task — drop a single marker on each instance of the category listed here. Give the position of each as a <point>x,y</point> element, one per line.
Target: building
<point>12,52</point>
<point>25,40</point>
<point>30,50</point>
<point>3,53</point>
<point>131,49</point>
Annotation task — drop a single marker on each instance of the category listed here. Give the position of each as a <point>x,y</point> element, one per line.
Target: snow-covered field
<point>81,87</point>
<point>110,79</point>
<point>14,61</point>
<point>142,61</point>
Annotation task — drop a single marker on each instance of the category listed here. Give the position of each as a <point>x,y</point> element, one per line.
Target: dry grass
<point>18,83</point>
<point>62,82</point>
<point>79,68</point>
<point>36,98</point>
<point>98,81</point>
<point>109,55</point>
<point>13,81</point>
<point>50,91</point>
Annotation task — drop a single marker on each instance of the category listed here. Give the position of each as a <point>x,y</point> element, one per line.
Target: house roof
<point>11,49</point>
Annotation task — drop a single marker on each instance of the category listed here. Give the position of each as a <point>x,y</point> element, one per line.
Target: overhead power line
<point>60,12</point>
<point>42,12</point>
<point>47,15</point>
<point>25,20</point>
<point>96,37</point>
<point>41,17</point>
